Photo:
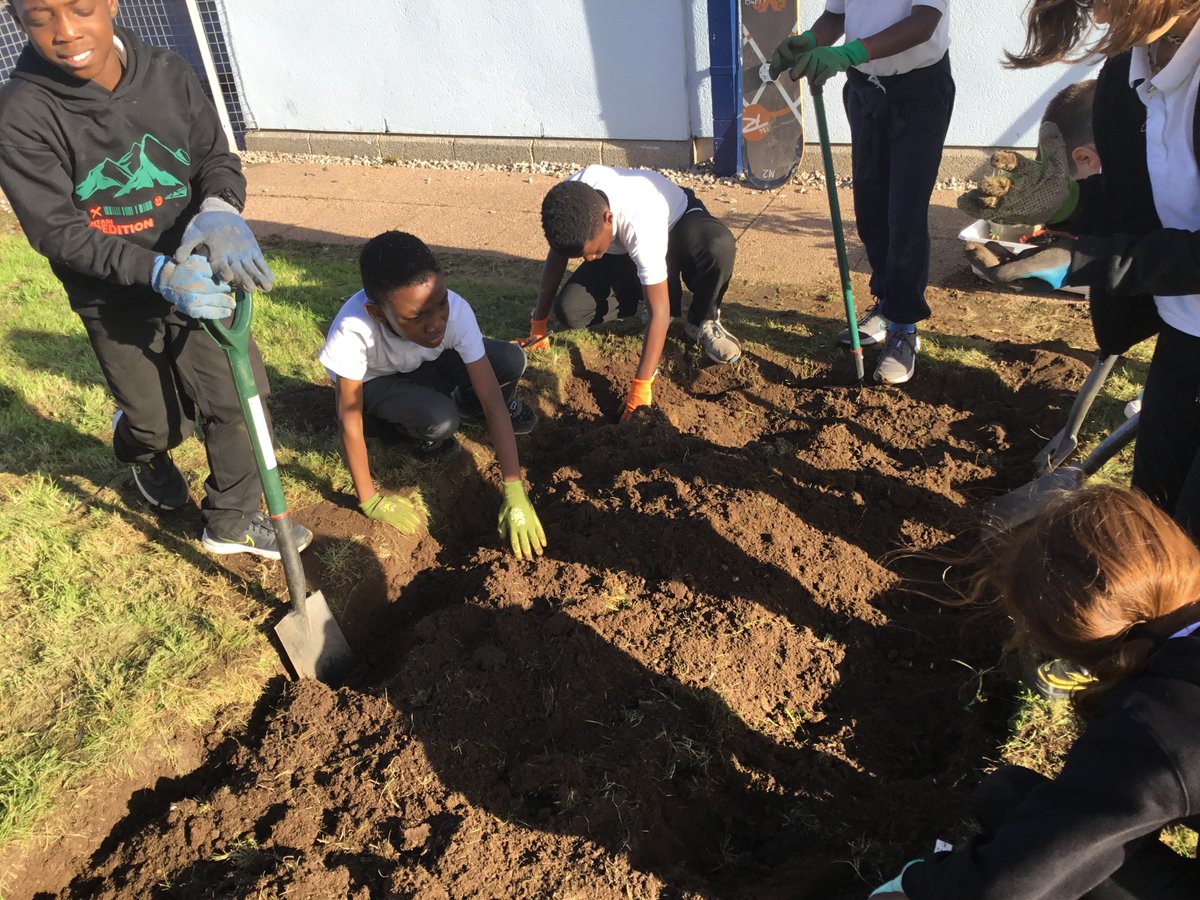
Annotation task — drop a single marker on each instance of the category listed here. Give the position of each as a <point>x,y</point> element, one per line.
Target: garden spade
<point>1060,447</point>
<point>839,238</point>
<point>311,637</point>
<point>1021,505</point>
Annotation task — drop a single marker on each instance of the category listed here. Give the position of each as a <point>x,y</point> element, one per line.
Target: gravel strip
<point>691,176</point>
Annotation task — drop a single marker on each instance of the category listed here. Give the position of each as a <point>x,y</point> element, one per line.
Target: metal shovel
<point>1063,444</point>
<point>1021,505</point>
<point>311,637</point>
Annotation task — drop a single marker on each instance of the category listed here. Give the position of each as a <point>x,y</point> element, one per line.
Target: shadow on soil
<point>710,685</point>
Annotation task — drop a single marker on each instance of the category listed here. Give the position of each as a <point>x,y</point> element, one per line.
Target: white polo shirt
<point>360,348</point>
<point>867,17</point>
<point>1170,98</point>
<point>645,206</point>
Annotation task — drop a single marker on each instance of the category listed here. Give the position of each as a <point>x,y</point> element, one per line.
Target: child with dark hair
<point>899,96</point>
<point>639,235</point>
<point>1070,111</point>
<point>1106,580</point>
<point>407,354</point>
<point>120,174</point>
<point>1138,221</point>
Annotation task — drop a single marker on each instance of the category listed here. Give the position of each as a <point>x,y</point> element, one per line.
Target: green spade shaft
<point>839,238</point>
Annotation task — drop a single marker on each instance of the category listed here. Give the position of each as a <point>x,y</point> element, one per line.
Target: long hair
<point>1077,579</point>
<point>1058,30</point>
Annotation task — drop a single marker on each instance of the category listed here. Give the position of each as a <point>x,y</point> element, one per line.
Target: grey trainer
<point>718,344</point>
<point>898,360</point>
<point>872,328</point>
<point>257,538</point>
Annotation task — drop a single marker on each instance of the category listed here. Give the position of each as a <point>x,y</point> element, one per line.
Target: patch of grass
<point>118,629</point>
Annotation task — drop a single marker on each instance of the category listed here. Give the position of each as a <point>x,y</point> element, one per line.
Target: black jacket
<point>1124,253</point>
<point>1134,769</point>
<point>102,182</point>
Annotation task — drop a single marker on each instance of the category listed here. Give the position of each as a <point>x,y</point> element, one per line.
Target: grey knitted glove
<point>1027,191</point>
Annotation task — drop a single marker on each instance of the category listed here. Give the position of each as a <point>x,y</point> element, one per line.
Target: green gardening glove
<point>398,512</point>
<point>788,53</point>
<point>519,523</point>
<point>1027,191</point>
<point>822,63</point>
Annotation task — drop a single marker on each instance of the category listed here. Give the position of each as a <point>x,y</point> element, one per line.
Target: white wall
<point>621,69</point>
<point>527,68</point>
<point>993,106</point>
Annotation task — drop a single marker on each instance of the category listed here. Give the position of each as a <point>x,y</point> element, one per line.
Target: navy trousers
<point>165,371</point>
<point>898,127</point>
<point>1166,458</point>
<point>427,403</point>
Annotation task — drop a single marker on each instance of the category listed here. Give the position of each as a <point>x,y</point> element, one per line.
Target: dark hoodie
<point>1134,769</point>
<point>104,182</point>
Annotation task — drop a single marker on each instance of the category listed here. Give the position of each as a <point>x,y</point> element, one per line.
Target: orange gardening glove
<point>639,395</point>
<point>539,335</point>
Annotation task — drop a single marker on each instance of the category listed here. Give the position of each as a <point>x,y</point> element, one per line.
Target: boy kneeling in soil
<point>1105,580</point>
<point>639,234</point>
<point>407,354</point>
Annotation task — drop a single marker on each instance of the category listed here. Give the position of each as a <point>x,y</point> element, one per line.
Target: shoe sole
<point>228,548</point>
<point>165,507</point>
<point>864,339</point>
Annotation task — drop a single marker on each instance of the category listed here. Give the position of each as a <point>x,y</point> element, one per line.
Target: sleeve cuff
<point>160,263</point>
<point>1089,261</point>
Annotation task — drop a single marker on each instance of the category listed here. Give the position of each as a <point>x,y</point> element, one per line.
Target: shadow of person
<point>537,718</point>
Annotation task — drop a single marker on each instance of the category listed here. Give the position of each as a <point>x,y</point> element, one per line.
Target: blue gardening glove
<point>1051,264</point>
<point>519,523</point>
<point>220,233</point>
<point>822,63</point>
<point>189,285</point>
<point>895,887</point>
<point>788,53</point>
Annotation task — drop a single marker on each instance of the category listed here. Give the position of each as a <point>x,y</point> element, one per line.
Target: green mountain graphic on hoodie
<point>146,165</point>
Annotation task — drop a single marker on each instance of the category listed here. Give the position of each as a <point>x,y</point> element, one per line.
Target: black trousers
<point>1166,459</point>
<point>898,127</point>
<point>427,403</point>
<point>1152,872</point>
<point>163,369</point>
<point>700,251</point>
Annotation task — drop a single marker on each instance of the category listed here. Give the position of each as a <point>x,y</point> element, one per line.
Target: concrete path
<point>784,237</point>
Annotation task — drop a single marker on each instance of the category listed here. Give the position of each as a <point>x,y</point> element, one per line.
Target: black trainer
<point>437,451</point>
<point>158,479</point>
<point>1059,679</point>
<point>258,538</point>
<point>524,419</point>
<point>161,482</point>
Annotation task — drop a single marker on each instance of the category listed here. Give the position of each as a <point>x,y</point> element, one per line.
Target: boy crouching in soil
<point>408,352</point>
<point>639,235</point>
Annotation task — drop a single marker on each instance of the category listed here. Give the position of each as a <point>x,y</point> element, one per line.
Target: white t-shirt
<point>867,17</point>
<point>360,348</point>
<point>645,206</point>
<point>1170,98</point>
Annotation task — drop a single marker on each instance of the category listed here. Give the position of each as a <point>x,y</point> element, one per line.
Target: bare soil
<point>717,683</point>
